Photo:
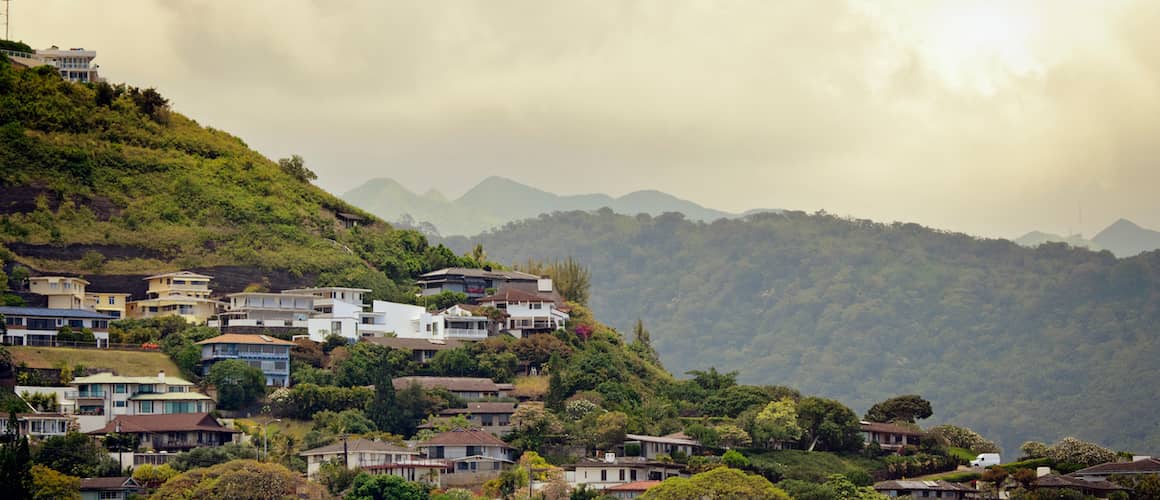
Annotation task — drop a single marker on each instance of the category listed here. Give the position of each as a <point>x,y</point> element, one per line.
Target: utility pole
<point>7,16</point>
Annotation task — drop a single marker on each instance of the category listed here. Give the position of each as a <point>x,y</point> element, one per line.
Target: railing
<point>84,345</point>
<point>26,55</point>
<point>465,333</point>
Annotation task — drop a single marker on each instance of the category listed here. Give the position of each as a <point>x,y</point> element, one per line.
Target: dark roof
<point>513,295</point>
<point>350,216</point>
<point>482,408</point>
<point>669,439</point>
<point>359,444</point>
<point>453,384</point>
<point>480,273</point>
<point>916,485</point>
<point>164,423</point>
<point>415,344</point>
<point>52,313</point>
<point>463,437</point>
<point>108,483</point>
<point>1055,481</point>
<point>1145,466</point>
<point>890,428</point>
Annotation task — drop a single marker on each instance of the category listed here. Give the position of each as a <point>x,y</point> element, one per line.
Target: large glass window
<point>146,407</point>
<point>120,388</point>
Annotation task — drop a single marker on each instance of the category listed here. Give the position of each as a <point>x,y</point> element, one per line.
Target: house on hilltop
<point>611,470</point>
<point>422,350</point>
<point>183,293</point>
<point>527,313</point>
<point>924,489</point>
<point>889,437</point>
<point>652,447</point>
<point>261,312</point>
<point>474,283</point>
<point>491,417</point>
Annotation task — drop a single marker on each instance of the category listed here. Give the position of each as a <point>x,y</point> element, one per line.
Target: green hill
<point>1016,343</point>
<point>100,179</point>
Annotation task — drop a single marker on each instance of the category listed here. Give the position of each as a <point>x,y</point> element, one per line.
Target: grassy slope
<point>812,466</point>
<point>128,363</point>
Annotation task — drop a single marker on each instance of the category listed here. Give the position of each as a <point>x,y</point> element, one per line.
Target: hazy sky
<point>991,118</point>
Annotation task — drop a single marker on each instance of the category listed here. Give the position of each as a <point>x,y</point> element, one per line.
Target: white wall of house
<point>342,320</point>
<point>409,321</point>
<point>357,459</point>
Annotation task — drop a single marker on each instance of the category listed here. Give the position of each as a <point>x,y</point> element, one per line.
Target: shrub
<point>735,459</point>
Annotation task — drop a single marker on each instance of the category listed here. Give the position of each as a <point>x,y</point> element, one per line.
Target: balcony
<point>465,333</point>
<point>91,394</point>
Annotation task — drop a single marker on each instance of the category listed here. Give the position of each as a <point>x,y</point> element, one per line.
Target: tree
<point>239,479</point>
<point>777,423</point>
<point>1143,486</point>
<point>994,475</point>
<point>713,381</point>
<point>211,456</point>
<point>336,476</point>
<point>383,410</point>
<point>642,343</point>
<point>152,477</point>
<point>828,423</point>
<point>531,426</point>
<point>296,167</point>
<point>717,484</point>
<point>731,436</point>
<point>735,459</point>
<point>74,454</point>
<point>907,408</point>
<point>238,384</point>
<point>963,437</point>
<point>610,429</point>
<point>1034,449</point>
<point>15,462</point>
<point>48,484</point>
<point>454,363</point>
<point>350,421</point>
<point>1070,450</point>
<point>385,487</point>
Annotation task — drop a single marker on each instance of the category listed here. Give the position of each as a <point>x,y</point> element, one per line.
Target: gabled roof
<point>1145,466</point>
<point>239,338</point>
<point>1055,481</point>
<point>415,344</point>
<point>509,295</point>
<point>170,422</point>
<point>908,485</point>
<point>45,312</point>
<point>359,445</point>
<point>463,437</point>
<point>482,408</point>
<point>453,384</point>
<point>621,461</point>
<point>109,378</point>
<point>888,428</point>
<point>661,439</point>
<point>633,486</point>
<point>179,274</point>
<point>108,483</point>
<point>480,273</point>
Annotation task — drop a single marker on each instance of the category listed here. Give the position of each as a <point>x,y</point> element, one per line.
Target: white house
<point>474,456</point>
<point>358,453</point>
<point>527,312</point>
<point>265,310</point>
<point>612,470</point>
<point>37,425</point>
<point>75,65</point>
<point>102,397</point>
<point>40,325</point>
<point>653,446</point>
<point>465,322</point>
<point>407,321</point>
<point>337,311</point>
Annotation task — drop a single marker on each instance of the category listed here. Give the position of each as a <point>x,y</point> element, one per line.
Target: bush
<point>735,459</point>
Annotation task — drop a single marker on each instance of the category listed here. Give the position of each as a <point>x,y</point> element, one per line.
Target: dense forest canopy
<point>1016,343</point>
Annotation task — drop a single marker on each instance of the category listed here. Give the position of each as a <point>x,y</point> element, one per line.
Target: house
<point>475,283</point>
<point>358,453</point>
<point>1095,488</point>
<point>630,490</point>
<point>422,350</point>
<point>652,447</point>
<point>889,437</point>
<point>527,312</point>
<point>260,312</point>
<point>39,326</point>
<point>65,397</point>
<point>420,470</point>
<point>171,433</point>
<point>108,303</point>
<point>37,425</point>
<point>62,292</point>
<point>181,293</point>
<point>473,456</point>
<point>337,311</point>
<point>350,220</point>
<point>267,353</point>
<point>491,417</point>
<point>109,488</point>
<point>74,65</point>
<point>406,321</point>
<point>468,388</point>
<point>102,397</point>
<point>923,489</point>
<point>612,470</point>
<point>1138,466</point>
<point>465,322</point>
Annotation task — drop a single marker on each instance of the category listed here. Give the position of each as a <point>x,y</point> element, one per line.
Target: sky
<point>991,118</point>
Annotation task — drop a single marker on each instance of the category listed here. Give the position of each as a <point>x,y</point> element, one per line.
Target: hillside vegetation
<point>107,179</point>
<point>128,363</point>
<point>1016,343</point>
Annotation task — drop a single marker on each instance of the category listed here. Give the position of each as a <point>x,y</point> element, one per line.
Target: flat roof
<point>180,274</point>
<point>109,378</point>
<point>46,312</point>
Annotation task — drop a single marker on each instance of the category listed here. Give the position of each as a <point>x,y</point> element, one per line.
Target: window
<point>622,474</point>
<point>146,407</point>
<point>119,404</point>
<point>119,388</point>
<point>486,419</point>
<point>632,475</point>
<point>112,301</point>
<point>603,474</point>
<point>111,495</point>
<point>76,323</point>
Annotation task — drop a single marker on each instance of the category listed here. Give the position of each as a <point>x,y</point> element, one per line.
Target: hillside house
<point>468,388</point>
<point>422,350</point>
<point>465,322</point>
<point>183,293</point>
<point>1094,488</point>
<point>102,397</point>
<point>358,453</point>
<point>266,353</point>
<point>475,283</point>
<point>110,488</point>
<point>39,326</point>
<point>924,489</point>
<point>337,311</point>
<point>74,64</point>
<point>38,425</point>
<point>652,447</point>
<point>108,303</point>
<point>258,312</point>
<point>62,292</point>
<point>406,321</point>
<point>474,456</point>
<point>527,313</point>
<point>630,490</point>
<point>172,433</point>
<point>612,470</point>
<point>1142,465</point>
<point>491,417</point>
<point>889,437</point>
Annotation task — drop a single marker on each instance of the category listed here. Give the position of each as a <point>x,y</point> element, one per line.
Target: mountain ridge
<point>1123,238</point>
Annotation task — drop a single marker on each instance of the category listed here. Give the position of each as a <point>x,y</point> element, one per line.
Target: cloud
<point>992,118</point>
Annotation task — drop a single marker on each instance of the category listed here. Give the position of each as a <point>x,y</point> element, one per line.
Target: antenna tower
<point>7,16</point>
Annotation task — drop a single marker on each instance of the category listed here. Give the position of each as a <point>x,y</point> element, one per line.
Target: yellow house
<point>181,293</point>
<point>112,304</point>
<point>62,292</point>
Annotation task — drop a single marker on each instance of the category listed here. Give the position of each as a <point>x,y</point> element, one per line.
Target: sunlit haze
<point>992,118</point>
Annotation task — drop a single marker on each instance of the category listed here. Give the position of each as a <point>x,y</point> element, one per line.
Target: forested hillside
<point>107,179</point>
<point>1016,343</point>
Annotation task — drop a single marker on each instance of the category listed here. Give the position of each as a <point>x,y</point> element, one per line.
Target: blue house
<point>269,354</point>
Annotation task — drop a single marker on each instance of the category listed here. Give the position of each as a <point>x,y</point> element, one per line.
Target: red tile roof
<point>464,438</point>
<point>164,423</point>
<point>241,338</point>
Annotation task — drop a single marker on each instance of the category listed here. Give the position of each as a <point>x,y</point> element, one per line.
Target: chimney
<point>544,285</point>
<point>161,376</point>
<point>1137,458</point>
<point>609,458</point>
<point>1042,471</point>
